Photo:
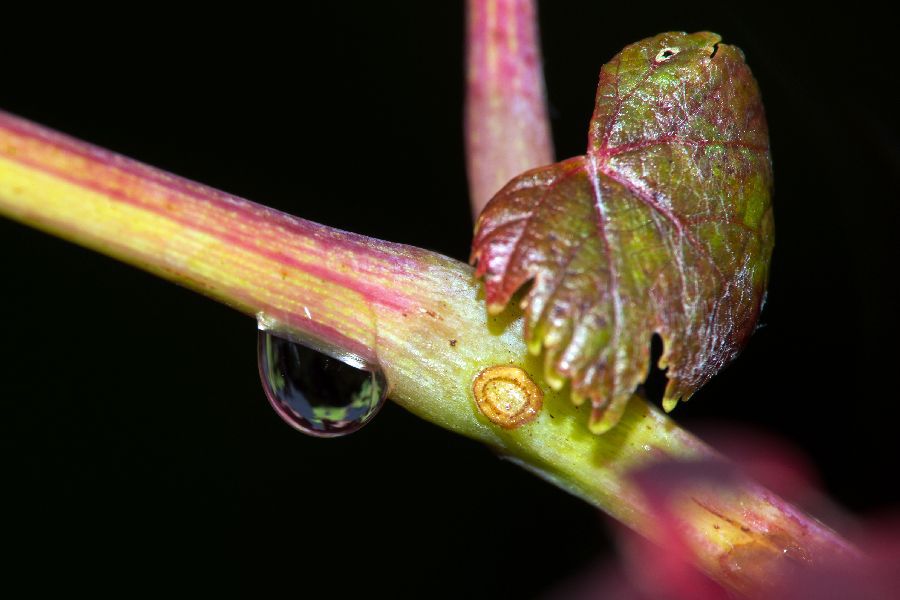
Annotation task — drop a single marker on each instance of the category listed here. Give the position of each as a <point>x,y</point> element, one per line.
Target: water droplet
<point>315,392</point>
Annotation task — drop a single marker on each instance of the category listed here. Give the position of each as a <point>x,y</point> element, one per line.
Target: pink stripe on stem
<point>113,166</point>
<point>211,211</point>
<point>236,237</point>
<point>507,127</point>
<point>247,255</point>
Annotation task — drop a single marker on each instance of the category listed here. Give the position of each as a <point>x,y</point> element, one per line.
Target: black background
<point>138,448</point>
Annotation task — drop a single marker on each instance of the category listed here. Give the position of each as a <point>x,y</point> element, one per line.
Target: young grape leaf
<point>664,226</point>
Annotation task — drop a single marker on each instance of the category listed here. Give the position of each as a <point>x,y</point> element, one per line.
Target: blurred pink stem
<point>507,127</point>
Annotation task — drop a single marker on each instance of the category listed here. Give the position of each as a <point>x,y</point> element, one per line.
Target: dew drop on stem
<point>316,393</point>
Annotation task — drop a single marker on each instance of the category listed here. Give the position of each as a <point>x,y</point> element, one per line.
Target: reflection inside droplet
<point>316,393</point>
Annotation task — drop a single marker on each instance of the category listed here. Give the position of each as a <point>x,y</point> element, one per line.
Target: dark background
<point>138,449</point>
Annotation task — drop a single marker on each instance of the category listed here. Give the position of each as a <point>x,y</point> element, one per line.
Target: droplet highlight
<point>316,393</point>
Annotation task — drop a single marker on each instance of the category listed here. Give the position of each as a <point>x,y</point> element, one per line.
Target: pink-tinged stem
<point>301,274</point>
<point>417,314</point>
<point>507,127</point>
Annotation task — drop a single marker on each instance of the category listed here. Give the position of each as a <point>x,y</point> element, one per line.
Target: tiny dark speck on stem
<point>453,342</point>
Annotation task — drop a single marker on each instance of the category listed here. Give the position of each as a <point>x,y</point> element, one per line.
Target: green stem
<point>420,315</point>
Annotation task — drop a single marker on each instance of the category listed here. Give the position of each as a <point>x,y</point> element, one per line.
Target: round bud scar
<point>507,396</point>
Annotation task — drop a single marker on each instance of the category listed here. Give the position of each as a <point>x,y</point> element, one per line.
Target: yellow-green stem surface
<point>418,314</point>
